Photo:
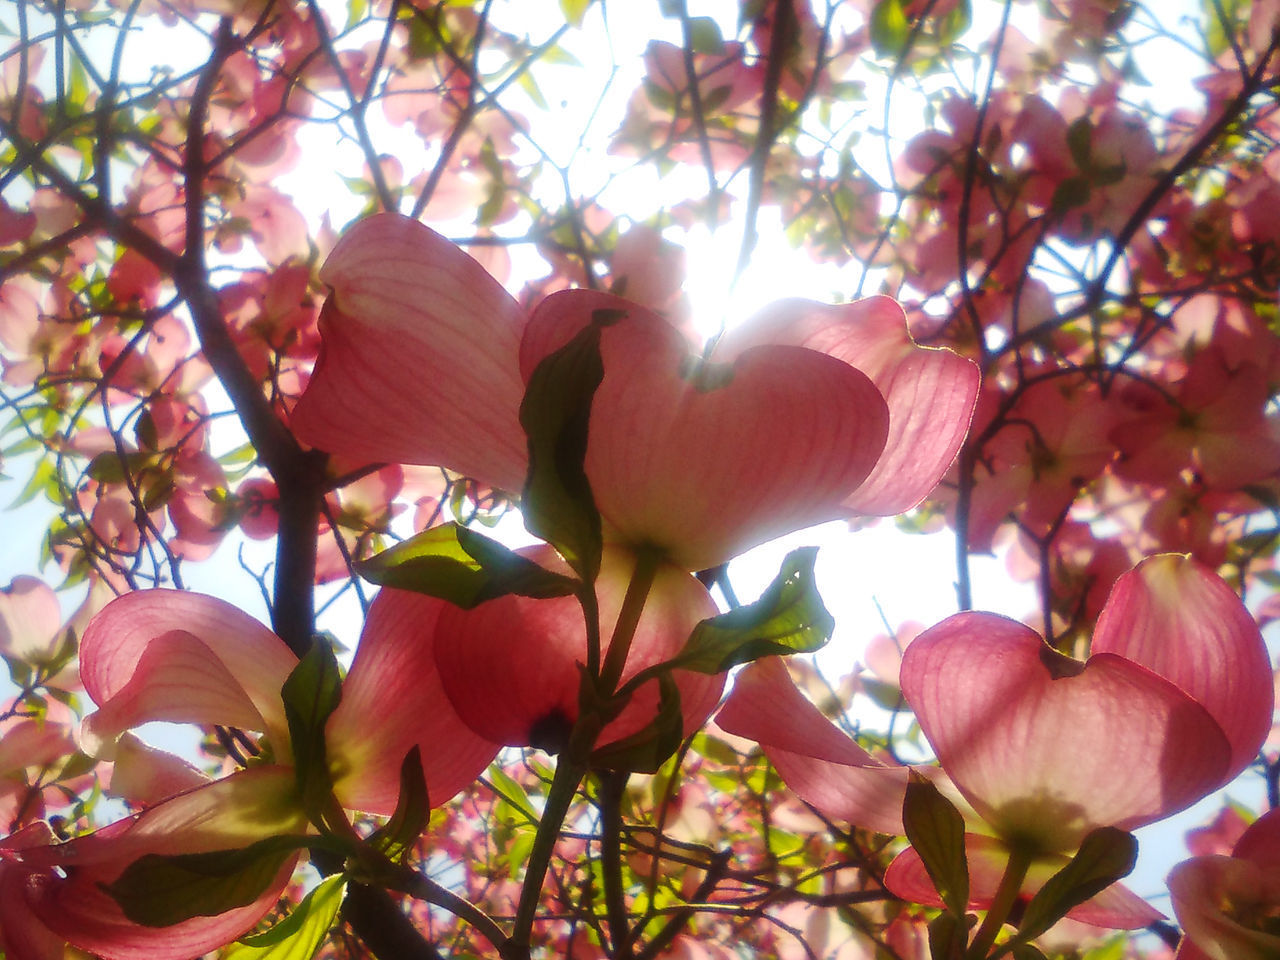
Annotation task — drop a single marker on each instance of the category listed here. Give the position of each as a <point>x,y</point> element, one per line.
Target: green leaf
<point>356,10</point>
<point>1070,193</point>
<point>398,835</point>
<point>1025,951</point>
<point>158,891</point>
<point>649,747</point>
<point>574,10</point>
<point>789,617</point>
<point>936,831</point>
<point>514,794</point>
<point>954,23</point>
<point>299,935</point>
<point>705,36</point>
<point>1106,855</point>
<point>311,694</point>
<point>1080,142</point>
<point>466,568</point>
<point>889,29</point>
<point>556,410</point>
<point>948,935</point>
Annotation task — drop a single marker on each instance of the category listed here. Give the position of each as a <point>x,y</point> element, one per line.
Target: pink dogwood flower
<point>186,658</point>
<point>1173,702</point>
<point>425,360</point>
<point>1228,905</point>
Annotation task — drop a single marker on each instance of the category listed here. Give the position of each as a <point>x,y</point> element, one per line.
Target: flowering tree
<point>341,278</point>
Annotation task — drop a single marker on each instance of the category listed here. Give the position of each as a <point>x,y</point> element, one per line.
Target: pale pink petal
<point>1210,896</point>
<point>510,666</point>
<point>420,357</point>
<point>223,815</point>
<point>144,775</point>
<point>180,680</point>
<point>1117,906</point>
<point>1180,619</point>
<point>1052,758</point>
<point>30,620</point>
<point>930,392</point>
<point>196,630</point>
<point>393,699</point>
<point>819,762</point>
<point>707,461</point>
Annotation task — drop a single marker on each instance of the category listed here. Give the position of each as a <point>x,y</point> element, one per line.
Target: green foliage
<point>889,29</point>
<point>1106,855</point>
<point>789,617</point>
<point>936,831</point>
<point>311,694</point>
<point>397,836</point>
<point>466,568</point>
<point>558,504</point>
<point>299,935</point>
<point>159,891</point>
<point>649,747</point>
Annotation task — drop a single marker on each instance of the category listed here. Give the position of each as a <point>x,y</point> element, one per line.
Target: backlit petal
<point>420,357</point>
<point>510,666</point>
<point>1180,619</point>
<point>1045,759</point>
<point>226,814</point>
<point>819,762</point>
<point>930,392</point>
<point>1116,907</point>
<point>393,699</point>
<point>708,460</point>
<point>183,657</point>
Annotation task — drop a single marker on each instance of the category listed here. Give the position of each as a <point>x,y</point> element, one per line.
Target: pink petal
<point>510,666</point>
<point>819,762</point>
<point>393,699</point>
<point>1180,619</point>
<point>1210,896</point>
<point>183,657</point>
<point>144,775</point>
<point>769,444</point>
<point>1261,841</point>
<point>1048,759</point>
<point>930,392</point>
<point>30,621</point>
<point>1116,907</point>
<point>420,357</point>
<point>226,814</point>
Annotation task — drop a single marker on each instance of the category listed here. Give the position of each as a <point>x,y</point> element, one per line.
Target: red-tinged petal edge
<point>510,666</point>
<point>1046,759</point>
<point>819,762</point>
<point>226,814</point>
<point>930,392</point>
<point>186,657</point>
<point>420,357</point>
<point>1179,619</point>
<point>393,699</point>
<point>1116,907</point>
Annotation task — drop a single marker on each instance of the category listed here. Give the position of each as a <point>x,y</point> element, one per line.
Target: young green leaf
<point>463,567</point>
<point>311,694</point>
<point>555,413</point>
<point>1106,855</point>
<point>948,935</point>
<point>397,836</point>
<point>158,891</point>
<point>789,617</point>
<point>299,935</point>
<point>936,831</point>
<point>648,748</point>
<point>889,28</point>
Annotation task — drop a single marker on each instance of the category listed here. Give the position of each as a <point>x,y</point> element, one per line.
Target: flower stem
<point>564,785</point>
<point>1001,906</point>
<point>624,630</point>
